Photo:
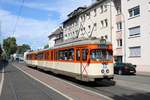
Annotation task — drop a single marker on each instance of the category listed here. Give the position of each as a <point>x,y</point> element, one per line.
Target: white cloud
<point>64,7</point>
<point>27,29</point>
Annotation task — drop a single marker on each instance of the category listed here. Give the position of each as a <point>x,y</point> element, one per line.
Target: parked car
<point>124,68</point>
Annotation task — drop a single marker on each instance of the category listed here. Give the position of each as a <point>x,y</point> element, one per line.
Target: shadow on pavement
<point>102,83</point>
<point>136,96</point>
<point>3,64</point>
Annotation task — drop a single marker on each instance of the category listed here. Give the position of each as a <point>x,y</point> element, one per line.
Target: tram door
<point>82,57</point>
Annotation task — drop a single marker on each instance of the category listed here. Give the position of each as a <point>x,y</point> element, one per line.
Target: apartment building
<point>137,28</point>
<point>56,37</point>
<point>71,26</point>
<point>93,21</point>
<point>101,19</point>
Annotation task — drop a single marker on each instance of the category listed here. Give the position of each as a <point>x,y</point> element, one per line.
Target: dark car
<point>124,68</point>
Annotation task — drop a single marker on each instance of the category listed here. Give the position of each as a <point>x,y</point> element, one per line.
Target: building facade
<point>125,23</point>
<point>56,37</point>
<point>137,29</point>
<point>71,26</point>
<point>101,19</point>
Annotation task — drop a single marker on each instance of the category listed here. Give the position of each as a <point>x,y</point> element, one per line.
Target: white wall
<point>142,62</point>
<point>51,42</point>
<point>99,31</point>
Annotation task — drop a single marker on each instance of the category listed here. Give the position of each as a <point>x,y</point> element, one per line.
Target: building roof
<point>76,13</point>
<point>56,32</point>
<point>79,9</point>
<point>75,42</point>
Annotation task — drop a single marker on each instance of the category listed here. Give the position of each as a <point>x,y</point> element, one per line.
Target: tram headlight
<point>107,71</point>
<point>102,71</point>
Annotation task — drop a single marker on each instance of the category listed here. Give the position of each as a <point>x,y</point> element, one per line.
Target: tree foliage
<point>0,51</point>
<point>9,45</point>
<point>23,48</point>
<point>46,46</point>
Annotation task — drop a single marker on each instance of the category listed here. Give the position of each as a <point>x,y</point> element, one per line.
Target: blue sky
<point>38,18</point>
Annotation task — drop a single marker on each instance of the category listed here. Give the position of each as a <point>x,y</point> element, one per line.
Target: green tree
<point>46,46</point>
<point>23,48</point>
<point>9,45</point>
<point>0,51</point>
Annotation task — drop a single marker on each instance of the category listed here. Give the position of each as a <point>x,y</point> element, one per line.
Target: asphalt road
<point>124,87</point>
<point>18,86</point>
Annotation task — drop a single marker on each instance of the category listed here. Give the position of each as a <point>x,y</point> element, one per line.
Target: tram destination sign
<point>103,46</point>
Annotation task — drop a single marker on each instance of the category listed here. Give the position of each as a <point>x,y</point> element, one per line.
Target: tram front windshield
<point>101,55</point>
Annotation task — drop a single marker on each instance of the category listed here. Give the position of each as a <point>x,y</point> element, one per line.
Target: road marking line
<point>106,97</point>
<point>2,81</point>
<point>43,83</point>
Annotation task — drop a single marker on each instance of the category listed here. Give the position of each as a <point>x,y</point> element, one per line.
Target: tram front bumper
<point>101,77</point>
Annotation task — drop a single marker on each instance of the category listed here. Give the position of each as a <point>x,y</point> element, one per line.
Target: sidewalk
<point>143,73</point>
<point>65,88</point>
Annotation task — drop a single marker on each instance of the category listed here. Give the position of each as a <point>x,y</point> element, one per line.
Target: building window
<point>84,28</point>
<point>106,22</point>
<point>119,26</point>
<point>94,12</point>
<point>134,11</point>
<point>101,9</point>
<point>81,30</point>
<point>118,10</point>
<point>105,8</point>
<point>119,43</point>
<point>89,28</point>
<point>135,51</point>
<point>95,26</point>
<point>134,31</point>
<point>88,15</point>
<point>102,24</point>
<point>82,17</point>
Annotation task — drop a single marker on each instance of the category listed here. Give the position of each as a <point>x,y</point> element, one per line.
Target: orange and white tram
<point>86,59</point>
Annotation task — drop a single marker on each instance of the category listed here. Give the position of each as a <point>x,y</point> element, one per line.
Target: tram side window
<point>98,55</point>
<point>46,55</point>
<point>70,55</point>
<point>40,56</point>
<point>34,57</point>
<point>67,54</point>
<point>30,57</point>
<point>51,55</point>
<point>27,57</point>
<point>84,54</point>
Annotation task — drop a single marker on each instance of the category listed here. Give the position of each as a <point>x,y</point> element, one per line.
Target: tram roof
<point>75,42</point>
<point>79,41</point>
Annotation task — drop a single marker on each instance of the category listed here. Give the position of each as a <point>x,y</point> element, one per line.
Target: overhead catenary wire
<point>17,20</point>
